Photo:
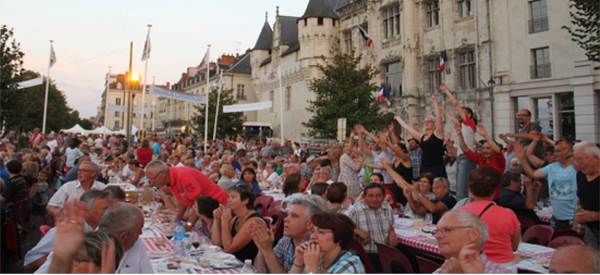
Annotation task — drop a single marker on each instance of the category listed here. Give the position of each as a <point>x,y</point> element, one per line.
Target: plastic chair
<point>426,266</point>
<point>357,246</point>
<point>264,202</point>
<point>44,229</point>
<point>388,255</point>
<point>542,233</point>
<point>276,205</point>
<point>526,223</point>
<point>564,240</point>
<point>567,232</point>
<point>277,216</point>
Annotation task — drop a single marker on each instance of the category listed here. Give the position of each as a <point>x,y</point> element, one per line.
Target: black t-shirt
<point>516,202</point>
<point>589,195</point>
<point>449,201</point>
<point>433,151</point>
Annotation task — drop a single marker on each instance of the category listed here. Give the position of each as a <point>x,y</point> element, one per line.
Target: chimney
<point>168,86</point>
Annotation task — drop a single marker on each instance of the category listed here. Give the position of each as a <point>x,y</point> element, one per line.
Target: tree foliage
<point>345,91</point>
<point>11,62</point>
<point>585,29</point>
<point>228,124</point>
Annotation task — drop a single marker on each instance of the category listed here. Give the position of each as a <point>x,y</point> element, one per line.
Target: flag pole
<point>106,100</point>
<point>147,56</point>
<point>207,97</point>
<point>47,86</point>
<point>153,106</point>
<point>218,101</point>
<point>281,102</point>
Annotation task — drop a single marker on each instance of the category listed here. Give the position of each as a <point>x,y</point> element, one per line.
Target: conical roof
<point>265,39</point>
<point>319,8</point>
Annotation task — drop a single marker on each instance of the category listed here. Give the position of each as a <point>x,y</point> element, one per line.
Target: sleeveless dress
<point>250,250</point>
<point>432,160</point>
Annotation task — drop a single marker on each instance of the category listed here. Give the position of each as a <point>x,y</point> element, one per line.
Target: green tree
<point>345,91</point>
<point>585,29</point>
<point>11,61</point>
<point>228,124</point>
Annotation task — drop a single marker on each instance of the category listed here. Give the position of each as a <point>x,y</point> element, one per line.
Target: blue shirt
<point>255,187</point>
<point>4,175</point>
<point>156,149</point>
<point>562,186</point>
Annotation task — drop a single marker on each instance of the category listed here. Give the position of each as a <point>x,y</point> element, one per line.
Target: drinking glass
<point>428,219</point>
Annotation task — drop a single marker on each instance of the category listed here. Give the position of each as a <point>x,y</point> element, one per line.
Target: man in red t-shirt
<point>187,184</point>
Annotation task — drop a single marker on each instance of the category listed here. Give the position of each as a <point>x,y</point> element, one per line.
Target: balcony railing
<point>540,71</point>
<point>538,24</point>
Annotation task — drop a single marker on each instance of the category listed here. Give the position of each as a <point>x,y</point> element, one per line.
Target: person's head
<point>486,150</point>
<point>157,173</point>
<point>199,154</point>
<point>145,143</point>
<point>336,192</point>
<point>429,123</point>
<point>96,202</point>
<point>425,181</point>
<point>243,161</point>
<point>332,230</point>
<point>325,162</point>
<point>262,164</point>
<point>337,150</point>
<point>469,114</point>
<point>227,170</point>
<point>549,156</point>
<point>413,144</point>
<point>441,187</point>
<point>312,161</point>
<point>87,172</point>
<point>134,164</point>
<point>30,169</point>
<point>290,168</point>
<point>484,181</point>
<point>509,147</point>
<point>241,196</point>
<point>190,162</point>
<point>512,181</point>
<point>587,157</point>
<point>319,188</point>
<point>291,185</point>
<point>241,153</point>
<point>89,256</point>
<point>125,221</point>
<point>515,168</point>
<point>575,258</point>
<point>563,150</point>
<point>376,178</point>
<point>297,223</point>
<point>294,158</point>
<point>458,228</point>
<point>215,167</point>
<point>205,206</point>
<point>280,161</point>
<point>271,167</point>
<point>373,195</point>
<point>116,192</point>
<point>326,173</point>
<point>249,175</point>
<point>14,167</point>
<point>174,160</point>
<point>43,175</point>
<point>524,116</point>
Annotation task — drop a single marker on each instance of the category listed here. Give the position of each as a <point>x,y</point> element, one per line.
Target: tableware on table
<point>158,254</point>
<point>576,225</point>
<point>428,219</point>
<point>172,267</point>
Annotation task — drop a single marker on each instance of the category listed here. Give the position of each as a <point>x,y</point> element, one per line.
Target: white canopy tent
<point>101,130</point>
<point>75,129</point>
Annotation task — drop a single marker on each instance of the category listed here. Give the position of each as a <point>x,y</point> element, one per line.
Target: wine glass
<point>428,219</point>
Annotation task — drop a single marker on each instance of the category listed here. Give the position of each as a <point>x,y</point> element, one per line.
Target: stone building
<point>502,56</point>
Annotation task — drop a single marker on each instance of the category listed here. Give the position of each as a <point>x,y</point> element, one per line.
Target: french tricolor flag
<point>380,95</point>
<point>443,59</point>
<point>366,36</point>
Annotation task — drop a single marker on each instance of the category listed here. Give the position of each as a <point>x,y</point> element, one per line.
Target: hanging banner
<point>121,108</point>
<point>247,107</point>
<point>177,95</point>
<point>30,83</point>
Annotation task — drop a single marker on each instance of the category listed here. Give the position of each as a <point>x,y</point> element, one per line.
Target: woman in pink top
<point>502,222</point>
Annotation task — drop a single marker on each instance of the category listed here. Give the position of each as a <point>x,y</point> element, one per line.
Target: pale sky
<point>90,36</point>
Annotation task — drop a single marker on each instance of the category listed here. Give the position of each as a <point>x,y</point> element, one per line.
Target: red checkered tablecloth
<point>545,217</point>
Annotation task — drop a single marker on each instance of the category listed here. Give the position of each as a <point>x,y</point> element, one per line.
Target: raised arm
<point>460,110</point>
<point>414,133</point>
<point>395,149</point>
<point>398,179</point>
<point>461,140</point>
<point>483,132</point>
<point>506,140</point>
<point>439,124</point>
<point>449,116</point>
<point>392,133</point>
<point>533,159</point>
<point>362,145</point>
<point>526,167</point>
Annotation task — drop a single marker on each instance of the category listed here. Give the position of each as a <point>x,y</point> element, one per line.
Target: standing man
<point>415,153</point>
<point>524,118</point>
<point>187,184</point>
<point>156,148</point>
<point>562,182</point>
<point>587,158</point>
<point>374,220</point>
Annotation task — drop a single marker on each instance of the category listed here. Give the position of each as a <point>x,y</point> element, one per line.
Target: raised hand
<point>481,130</point>
<point>312,257</point>
<point>69,230</point>
<point>415,126</point>
<point>263,238</point>
<point>469,260</point>
<point>108,258</point>
<point>433,98</point>
<point>443,87</point>
<point>458,129</point>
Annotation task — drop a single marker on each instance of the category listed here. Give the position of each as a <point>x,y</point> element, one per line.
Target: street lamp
<point>132,78</point>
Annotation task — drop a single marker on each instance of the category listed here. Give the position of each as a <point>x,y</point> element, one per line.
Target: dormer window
<point>305,22</point>
<point>320,21</point>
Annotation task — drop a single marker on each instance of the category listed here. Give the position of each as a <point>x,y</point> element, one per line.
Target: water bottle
<point>247,268</point>
<point>186,245</point>
<point>179,234</point>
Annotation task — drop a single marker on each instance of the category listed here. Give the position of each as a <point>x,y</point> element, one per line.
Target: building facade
<point>502,56</point>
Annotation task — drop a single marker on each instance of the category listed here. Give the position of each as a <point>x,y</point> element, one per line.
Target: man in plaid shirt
<point>415,155</point>
<point>374,220</point>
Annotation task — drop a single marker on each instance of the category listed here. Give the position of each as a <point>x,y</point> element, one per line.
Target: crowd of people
<point>474,190</point>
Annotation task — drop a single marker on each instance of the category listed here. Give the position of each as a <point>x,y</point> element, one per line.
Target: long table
<point>152,231</point>
<point>527,255</point>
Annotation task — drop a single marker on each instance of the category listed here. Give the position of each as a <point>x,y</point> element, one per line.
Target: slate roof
<point>320,8</point>
<point>241,65</point>
<point>265,39</point>
<point>289,29</point>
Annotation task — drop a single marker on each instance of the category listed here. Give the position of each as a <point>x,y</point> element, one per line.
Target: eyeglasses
<point>447,230</point>
<point>581,160</point>
<point>522,115</point>
<point>77,261</point>
<point>322,231</point>
<point>83,170</point>
<point>154,178</point>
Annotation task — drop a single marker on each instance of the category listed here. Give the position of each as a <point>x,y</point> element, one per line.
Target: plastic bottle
<point>186,245</point>
<point>248,268</point>
<point>179,234</point>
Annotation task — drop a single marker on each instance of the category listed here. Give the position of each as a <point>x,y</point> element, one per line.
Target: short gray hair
<point>244,161</point>
<point>589,148</point>
<point>583,248</point>
<point>328,169</point>
<point>225,168</point>
<point>443,180</point>
<point>94,166</point>
<point>311,207</point>
<point>90,196</point>
<point>468,218</point>
<point>117,218</point>
<point>158,165</point>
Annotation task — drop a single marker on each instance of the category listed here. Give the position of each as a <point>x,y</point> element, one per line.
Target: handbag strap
<point>486,208</point>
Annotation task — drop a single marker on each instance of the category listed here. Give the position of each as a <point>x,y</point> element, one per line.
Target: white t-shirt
<point>98,143</point>
<point>72,155</point>
<point>71,190</point>
<point>388,156</point>
<point>52,144</point>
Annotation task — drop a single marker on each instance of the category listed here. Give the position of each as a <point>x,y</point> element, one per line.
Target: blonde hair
<point>30,169</point>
